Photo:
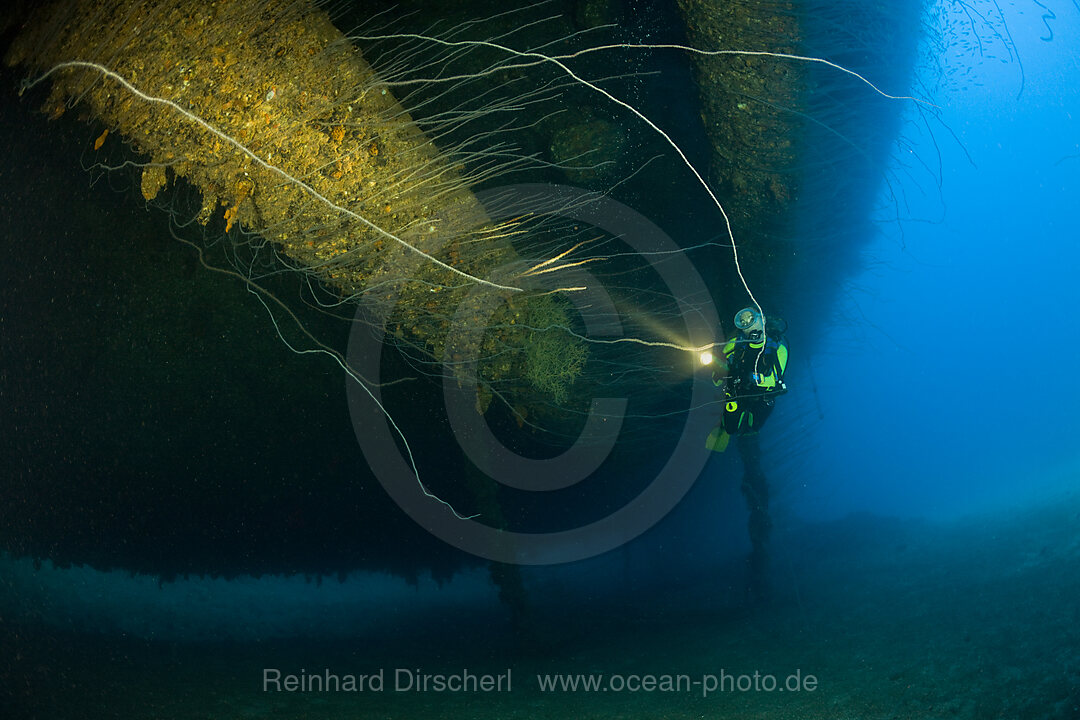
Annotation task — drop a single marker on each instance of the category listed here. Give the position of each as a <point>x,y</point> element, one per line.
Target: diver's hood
<point>749,321</point>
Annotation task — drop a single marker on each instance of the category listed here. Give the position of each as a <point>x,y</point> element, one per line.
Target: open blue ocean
<point>573,359</point>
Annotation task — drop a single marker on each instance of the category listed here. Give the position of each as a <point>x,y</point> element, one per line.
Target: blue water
<point>161,553</point>
<point>947,389</point>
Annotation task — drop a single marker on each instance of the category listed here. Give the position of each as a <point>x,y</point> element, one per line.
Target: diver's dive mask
<point>750,323</point>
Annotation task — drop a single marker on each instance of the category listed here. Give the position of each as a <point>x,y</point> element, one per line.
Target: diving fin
<point>718,439</point>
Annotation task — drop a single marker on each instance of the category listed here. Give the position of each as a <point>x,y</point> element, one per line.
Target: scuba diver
<point>751,373</point>
<point>752,376</point>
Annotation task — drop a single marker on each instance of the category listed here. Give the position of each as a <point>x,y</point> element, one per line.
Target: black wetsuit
<point>749,396</point>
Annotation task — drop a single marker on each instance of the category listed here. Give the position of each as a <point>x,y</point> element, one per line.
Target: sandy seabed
<point>873,618</point>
